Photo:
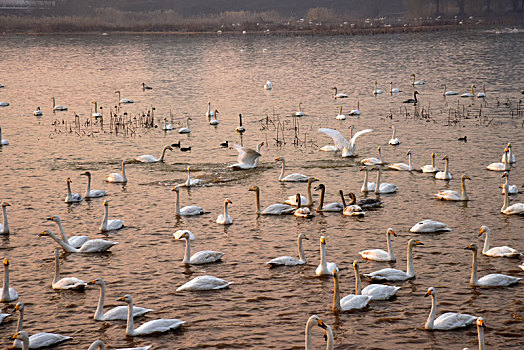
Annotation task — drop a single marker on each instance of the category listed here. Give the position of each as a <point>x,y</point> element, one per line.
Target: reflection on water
<point>264,307</point>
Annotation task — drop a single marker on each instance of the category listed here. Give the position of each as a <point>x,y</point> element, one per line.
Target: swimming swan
<point>503,166</point>
<point>288,260</point>
<point>89,192</point>
<point>116,313</point>
<point>58,107</point>
<point>273,209</point>
<point>3,142</point>
<point>7,293</point>
<point>448,93</point>
<point>209,113</point>
<point>348,148</point>
<point>383,187</point>
<point>338,94</point>
<point>187,210</point>
<point>299,113</point>
<point>201,257</point>
<point>240,128</point>
<point>450,195</point>
<point>166,126</point>
<point>374,161</point>
<point>74,241</point>
<point>491,280</point>
<point>204,283</point>
<point>340,116</point>
<point>37,112</point>
<point>154,326</point>
<point>191,182</point>
<point>355,111</point>
<point>91,246</point>
<point>247,157</point>
<point>332,207</point>
<point>147,158</point>
<point>351,209</point>
<point>516,208</point>
<point>367,186</point>
<point>291,177</point>
<point>496,252</point>
<point>444,175</point>
<point>214,119</point>
<point>99,345</point>
<point>417,82</point>
<point>225,218</point>
<point>412,100</point>
<point>350,301</point>
<point>375,90</point>
<point>72,197</point>
<point>4,228</point>
<point>393,90</point>
<point>426,226</point>
<point>483,93</point>
<point>312,321</point>
<point>116,177</point>
<point>389,274</point>
<point>430,168</point>
<point>403,166</point>
<point>301,212</point>
<point>470,94</point>
<point>66,282</point>
<point>110,225</point>
<point>334,148</point>
<point>324,268</point>
<point>305,202</point>
<point>394,140</point>
<point>185,130</point>
<point>447,321</point>
<point>268,85</point>
<point>379,254</point>
<point>123,100</point>
<point>511,156</point>
<point>375,291</point>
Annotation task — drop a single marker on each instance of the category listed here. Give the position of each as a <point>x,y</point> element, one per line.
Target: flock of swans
<point>297,205</point>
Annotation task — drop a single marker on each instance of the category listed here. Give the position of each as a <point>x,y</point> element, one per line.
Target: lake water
<point>264,308</point>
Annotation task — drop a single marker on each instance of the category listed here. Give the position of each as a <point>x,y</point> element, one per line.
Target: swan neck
<point>163,154</point>
<point>283,171</point>
<point>446,167</point>
<point>323,262</point>
<point>104,222</point>
<point>177,203</point>
<point>365,187</point>
<point>57,267</point>
<point>187,254</point>
<point>410,162</point>
<point>486,242</point>
<point>377,188</point>
<point>353,200</point>
<point>309,197</point>
<point>431,318</point>
<point>68,189</point>
<point>464,193</point>
<point>309,325</point>
<point>187,123</point>
<point>240,117</point>
<point>480,331</point>
<point>329,345</point>
<point>88,190</point>
<point>225,210</point>
<point>358,283</point>
<point>474,279</point>
<point>433,161</point>
<point>100,307</point>
<point>301,254</point>
<point>67,247</point>
<point>130,329</point>
<point>343,200</point>
<point>321,201</point>
<point>394,132</point>
<point>20,322</point>
<point>62,232</point>
<point>390,249</point>
<point>257,193</point>
<point>5,290</point>
<point>380,156</point>
<point>506,198</point>
<point>124,171</point>
<point>4,210</point>
<point>410,269</point>
<point>336,295</point>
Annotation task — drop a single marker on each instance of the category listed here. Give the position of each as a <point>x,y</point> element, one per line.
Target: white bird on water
<point>247,157</point>
<point>110,225</point>
<point>72,197</point>
<point>89,192</point>
<point>348,148</point>
<point>74,241</point>
<point>201,257</point>
<point>447,321</point>
<point>4,228</point>
<point>71,283</point>
<point>288,260</point>
<point>225,218</point>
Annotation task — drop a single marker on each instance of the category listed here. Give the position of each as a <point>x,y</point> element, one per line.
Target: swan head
<point>106,203</point>
<point>87,173</point>
<point>416,93</point>
<point>97,281</point>
<point>334,88</point>
<point>254,188</point>
<point>189,118</point>
<point>480,322</point>
<point>445,158</point>
<point>483,229</point>
<point>375,82</point>
<point>414,242</point>
<point>69,180</point>
<point>176,189</point>
<point>303,236</point>
<point>188,168</point>
<point>19,306</point>
<point>392,126</point>
<point>117,91</point>
<point>5,204</point>
<point>54,218</point>
<point>126,298</point>
<point>334,273</point>
<point>320,187</point>
<point>442,84</point>
<point>431,291</point>
<point>509,146</point>
<point>364,168</point>
<point>261,144</point>
<point>312,179</point>
<point>45,233</point>
<point>279,159</point>
<point>506,174</point>
<point>391,232</point>
<point>472,247</point>
<point>413,75</point>
<point>355,264</point>
<point>228,201</point>
<point>322,240</point>
<point>409,152</point>
<point>464,177</point>
<point>433,155</point>
<point>6,262</point>
<point>169,148</point>
<point>20,335</point>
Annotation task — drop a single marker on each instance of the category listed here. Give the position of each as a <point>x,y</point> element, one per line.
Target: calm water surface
<point>263,308</point>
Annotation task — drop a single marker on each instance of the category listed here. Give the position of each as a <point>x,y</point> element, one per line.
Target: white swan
<point>450,195</point>
<point>214,120</point>
<point>89,192</point>
<point>511,156</point>
<point>191,182</point>
<point>185,130</point>
<point>444,175</point>
<point>299,113</point>
<point>189,210</point>
<point>4,228</point>
<point>167,126</point>
<point>36,341</point>
<point>123,100</point>
<point>393,90</point>
<point>178,234</point>
<point>273,209</point>
<point>367,186</point>
<point>201,257</point>
<point>512,189</point>
<point>503,166</point>
<point>204,283</point>
<point>375,291</point>
<point>447,321</point>
<point>483,93</point>
<point>74,241</point>
<point>430,168</point>
<point>66,282</point>
<point>247,157</point>
<point>394,140</point>
<point>95,114</point>
<point>295,177</point>
<point>340,116</point>
<point>375,90</point>
<point>417,82</point>
<point>240,128</point>
<point>448,93</point>
<point>3,316</point>
<point>58,107</point>
<point>99,345</point>
<point>389,274</point>
<point>385,187</point>
<point>334,148</point>
<point>403,166</point>
<point>91,246</point>
<point>426,226</point>
<point>350,301</point>
<point>305,202</point>
<point>338,94</point>
<point>516,208</point>
<point>288,260</point>
<point>116,313</point>
<point>355,111</point>
<point>72,197</point>
<point>312,321</point>
<point>2,141</point>
<point>496,252</point>
<point>352,209</point>
<point>374,161</point>
<point>491,280</point>
<point>379,254</point>
<point>37,112</point>
<point>328,207</point>
<point>210,113</point>
<point>154,326</point>
<point>324,268</point>
<point>7,293</point>
<point>147,158</point>
<point>470,94</point>
<point>110,225</point>
<point>116,177</point>
<point>268,85</point>
<point>348,148</point>
<point>301,212</point>
<point>225,218</point>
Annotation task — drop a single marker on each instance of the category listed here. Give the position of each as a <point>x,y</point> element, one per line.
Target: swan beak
<point>14,336</point>
<point>229,201</point>
<point>428,293</point>
<point>394,234</point>
<point>306,237</point>
<point>419,243</point>
<point>469,247</point>
<point>317,188</point>
<point>170,148</point>
<point>6,262</point>
<point>322,240</point>
<point>43,233</point>
<point>261,143</point>
<point>321,324</point>
<point>121,299</point>
<point>252,189</point>
<point>480,322</point>
<point>276,159</point>
<point>467,177</point>
<point>7,204</point>
<point>51,218</point>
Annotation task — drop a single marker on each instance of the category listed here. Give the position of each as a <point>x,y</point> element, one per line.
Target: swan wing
<point>41,340</point>
<point>376,255</point>
<point>292,200</point>
<point>114,177</point>
<point>191,210</point>
<point>428,168</point>
<point>451,320</point>
<point>70,283</point>
<point>371,161</point>
<point>77,241</point>
<point>159,326</point>
<point>429,226</point>
<point>361,132</point>
<point>120,313</point>
<point>517,208</point>
<point>380,291</point>
<point>354,302</point>
<point>285,261</point>
<point>497,280</point>
<point>204,283</point>
<point>13,295</point>
<point>339,140</point>
<point>205,256</point>
<point>96,246</point>
<point>96,193</point>
<point>246,155</point>
<point>388,274</point>
<point>449,195</point>
<point>503,251</point>
<point>399,166</point>
<point>329,148</point>
<point>146,158</point>
<point>333,207</point>
<point>114,224</point>
<point>278,209</point>
<point>295,178</point>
